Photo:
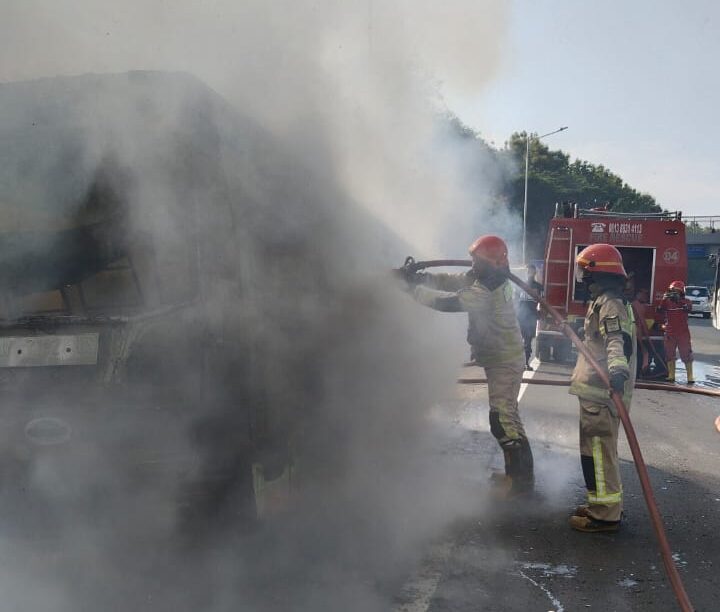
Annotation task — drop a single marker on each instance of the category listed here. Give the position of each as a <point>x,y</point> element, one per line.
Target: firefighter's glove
<point>617,381</point>
<point>400,274</point>
<point>409,276</point>
<point>416,278</point>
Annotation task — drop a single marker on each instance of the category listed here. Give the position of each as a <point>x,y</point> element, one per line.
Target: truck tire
<point>543,348</point>
<point>219,493</point>
<point>706,315</point>
<point>561,350</point>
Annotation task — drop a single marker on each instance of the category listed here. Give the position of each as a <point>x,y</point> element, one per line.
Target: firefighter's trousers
<point>679,342</point>
<point>505,424</point>
<point>599,458</point>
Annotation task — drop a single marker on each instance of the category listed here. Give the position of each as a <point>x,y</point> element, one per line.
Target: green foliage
<point>552,178</point>
<point>693,227</point>
<point>580,181</point>
<point>700,272</point>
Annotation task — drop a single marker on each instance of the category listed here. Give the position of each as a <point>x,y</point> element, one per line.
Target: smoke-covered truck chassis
<point>97,413</point>
<point>129,376</point>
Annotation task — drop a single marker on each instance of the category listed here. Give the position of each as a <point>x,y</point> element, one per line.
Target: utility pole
<point>525,199</point>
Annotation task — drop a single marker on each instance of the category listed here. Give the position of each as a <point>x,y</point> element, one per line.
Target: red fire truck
<point>653,251</point>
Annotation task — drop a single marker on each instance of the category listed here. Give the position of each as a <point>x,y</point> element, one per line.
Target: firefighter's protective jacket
<point>676,315</point>
<point>493,331</point>
<point>610,336</point>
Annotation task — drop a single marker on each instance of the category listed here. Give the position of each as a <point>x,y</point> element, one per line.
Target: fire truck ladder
<point>594,213</point>
<point>559,267</point>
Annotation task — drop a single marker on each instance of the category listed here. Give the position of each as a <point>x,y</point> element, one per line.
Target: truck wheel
<point>706,315</point>
<point>218,494</point>
<point>543,348</point>
<point>561,350</point>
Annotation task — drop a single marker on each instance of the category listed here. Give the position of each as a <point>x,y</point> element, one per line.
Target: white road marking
<point>423,585</point>
<point>551,597</point>
<point>566,571</point>
<point>534,365</point>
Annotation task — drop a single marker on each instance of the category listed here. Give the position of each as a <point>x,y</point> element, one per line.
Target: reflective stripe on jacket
<point>610,336</point>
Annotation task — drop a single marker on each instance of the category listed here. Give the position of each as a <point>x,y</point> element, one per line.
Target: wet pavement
<point>523,556</point>
<point>706,374</point>
<point>477,554</point>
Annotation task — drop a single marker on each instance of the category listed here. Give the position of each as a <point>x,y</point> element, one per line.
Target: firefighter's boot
<point>671,371</point>
<point>587,524</point>
<point>689,369</point>
<point>519,474</point>
<point>501,485</point>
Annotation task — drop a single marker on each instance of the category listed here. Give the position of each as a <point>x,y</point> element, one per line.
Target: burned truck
<point>136,343</point>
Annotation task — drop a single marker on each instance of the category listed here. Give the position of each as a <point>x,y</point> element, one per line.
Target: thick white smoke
<point>333,153</point>
<point>357,84</point>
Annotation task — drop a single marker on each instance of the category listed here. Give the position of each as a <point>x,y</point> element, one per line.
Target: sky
<point>636,83</point>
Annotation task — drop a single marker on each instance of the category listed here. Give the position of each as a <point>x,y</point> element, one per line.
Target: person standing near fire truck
<point>610,337</point>
<point>675,307</point>
<point>642,297</point>
<point>495,343</point>
<point>528,313</point>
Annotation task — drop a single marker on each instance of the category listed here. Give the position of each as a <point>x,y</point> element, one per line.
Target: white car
<point>700,298</point>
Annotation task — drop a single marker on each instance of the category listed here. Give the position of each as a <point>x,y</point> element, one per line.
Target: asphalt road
<point>452,549</point>
<point>523,556</point>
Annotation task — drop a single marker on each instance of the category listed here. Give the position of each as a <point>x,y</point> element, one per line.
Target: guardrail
<point>707,224</point>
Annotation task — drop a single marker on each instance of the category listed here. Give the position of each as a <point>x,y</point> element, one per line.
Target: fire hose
<point>566,383</point>
<point>671,570</point>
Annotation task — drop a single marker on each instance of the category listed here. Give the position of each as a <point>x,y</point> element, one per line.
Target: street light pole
<point>525,199</point>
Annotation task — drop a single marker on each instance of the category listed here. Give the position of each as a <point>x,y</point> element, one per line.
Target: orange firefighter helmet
<point>677,285</point>
<point>490,248</point>
<point>600,258</point>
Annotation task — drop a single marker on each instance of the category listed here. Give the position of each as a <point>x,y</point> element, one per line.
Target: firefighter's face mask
<point>488,274</point>
<point>480,267</point>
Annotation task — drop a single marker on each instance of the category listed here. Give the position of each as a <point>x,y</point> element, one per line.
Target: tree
<point>553,178</point>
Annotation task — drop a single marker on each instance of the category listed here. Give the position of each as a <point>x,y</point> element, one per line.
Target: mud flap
<point>272,497</point>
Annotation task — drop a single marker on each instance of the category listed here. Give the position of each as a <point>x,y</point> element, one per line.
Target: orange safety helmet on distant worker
<point>603,258</point>
<point>490,248</point>
<point>677,285</point>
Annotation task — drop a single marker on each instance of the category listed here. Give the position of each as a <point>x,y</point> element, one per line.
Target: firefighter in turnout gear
<point>496,345</point>
<point>676,307</point>
<point>610,337</point>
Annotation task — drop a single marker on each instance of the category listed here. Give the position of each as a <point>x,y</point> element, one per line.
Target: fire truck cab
<point>653,251</point>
